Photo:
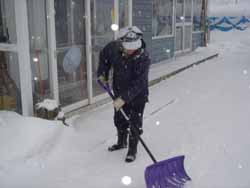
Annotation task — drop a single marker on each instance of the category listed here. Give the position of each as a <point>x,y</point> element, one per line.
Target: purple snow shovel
<point>169,173</point>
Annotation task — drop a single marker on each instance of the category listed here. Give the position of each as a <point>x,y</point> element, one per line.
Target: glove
<point>118,103</point>
<point>103,79</point>
<point>140,130</point>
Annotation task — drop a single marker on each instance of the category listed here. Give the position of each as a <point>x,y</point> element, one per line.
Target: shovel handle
<point>108,90</point>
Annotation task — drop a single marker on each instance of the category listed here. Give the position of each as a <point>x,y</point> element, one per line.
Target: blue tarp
<point>219,23</point>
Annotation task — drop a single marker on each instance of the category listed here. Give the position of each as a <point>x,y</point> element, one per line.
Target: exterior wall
<point>197,40</point>
<point>160,49</point>
<point>142,17</point>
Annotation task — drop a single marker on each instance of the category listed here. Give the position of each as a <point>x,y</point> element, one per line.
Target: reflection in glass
<point>179,38</point>
<point>197,15</point>
<point>10,95</point>
<point>71,46</point>
<point>179,10</point>
<point>102,17</point>
<point>7,22</point>
<point>188,32</point>
<point>162,22</point>
<point>123,13</point>
<point>39,50</point>
<point>71,75</point>
<point>188,10</point>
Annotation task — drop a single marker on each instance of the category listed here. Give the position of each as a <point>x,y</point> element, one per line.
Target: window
<point>188,11</point>
<point>179,11</point>
<point>102,17</point>
<point>7,22</point>
<point>71,55</point>
<point>197,15</point>
<point>162,23</point>
<point>10,88</point>
<point>10,95</point>
<point>39,50</point>
<point>123,13</point>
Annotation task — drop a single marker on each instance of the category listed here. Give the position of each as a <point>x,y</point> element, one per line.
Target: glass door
<point>15,74</point>
<point>81,29</point>
<point>10,90</point>
<point>38,17</point>
<point>188,25</point>
<point>71,51</point>
<point>125,13</point>
<point>179,30</point>
<point>183,30</point>
<point>104,13</point>
<point>102,17</point>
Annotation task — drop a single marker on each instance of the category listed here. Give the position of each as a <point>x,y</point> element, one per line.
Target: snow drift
<point>23,138</point>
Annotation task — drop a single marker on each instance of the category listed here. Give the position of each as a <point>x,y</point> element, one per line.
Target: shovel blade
<point>169,173</point>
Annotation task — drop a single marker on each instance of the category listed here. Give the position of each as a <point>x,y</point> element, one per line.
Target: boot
<point>121,142</point>
<point>132,150</point>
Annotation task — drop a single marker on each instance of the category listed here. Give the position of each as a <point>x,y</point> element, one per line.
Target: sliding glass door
<point>71,50</point>
<point>183,30</point>
<point>15,74</point>
<point>102,17</point>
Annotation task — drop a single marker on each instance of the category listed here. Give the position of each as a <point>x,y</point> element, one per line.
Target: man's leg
<point>137,111</point>
<point>121,126</point>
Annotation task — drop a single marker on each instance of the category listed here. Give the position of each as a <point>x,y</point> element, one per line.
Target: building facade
<point>50,48</point>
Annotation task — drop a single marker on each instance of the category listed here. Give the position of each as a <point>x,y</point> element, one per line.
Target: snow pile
<point>48,104</point>
<point>23,138</point>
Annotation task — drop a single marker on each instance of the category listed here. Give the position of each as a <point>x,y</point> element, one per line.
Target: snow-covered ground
<point>208,122</point>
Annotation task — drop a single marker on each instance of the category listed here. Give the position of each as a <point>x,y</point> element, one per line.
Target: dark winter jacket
<point>130,73</point>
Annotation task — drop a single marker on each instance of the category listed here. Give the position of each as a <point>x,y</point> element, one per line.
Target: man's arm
<point>104,64</point>
<point>140,83</point>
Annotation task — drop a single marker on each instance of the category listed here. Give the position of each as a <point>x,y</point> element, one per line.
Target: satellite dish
<point>72,59</point>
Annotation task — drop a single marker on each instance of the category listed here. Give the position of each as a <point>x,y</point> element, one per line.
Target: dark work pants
<point>135,113</point>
